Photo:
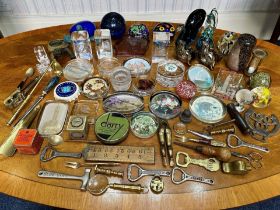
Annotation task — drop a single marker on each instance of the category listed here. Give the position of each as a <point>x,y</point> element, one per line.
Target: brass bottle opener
<point>211,164</point>
<point>238,167</point>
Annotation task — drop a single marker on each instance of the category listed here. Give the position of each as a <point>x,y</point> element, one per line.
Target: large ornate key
<point>211,164</point>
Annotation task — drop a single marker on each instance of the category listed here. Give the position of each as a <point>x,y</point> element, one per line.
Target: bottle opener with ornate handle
<point>186,177</point>
<point>141,172</point>
<point>211,164</point>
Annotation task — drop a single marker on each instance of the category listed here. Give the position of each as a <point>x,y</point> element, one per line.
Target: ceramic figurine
<point>189,33</point>
<point>115,23</point>
<point>208,32</point>
<point>239,57</point>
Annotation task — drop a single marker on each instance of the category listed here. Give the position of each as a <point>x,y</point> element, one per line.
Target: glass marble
<point>115,23</point>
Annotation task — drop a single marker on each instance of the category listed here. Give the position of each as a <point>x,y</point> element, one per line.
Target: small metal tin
<point>52,118</point>
<point>77,127</point>
<point>137,66</point>
<point>165,105</point>
<point>28,141</point>
<point>111,128</point>
<point>144,124</point>
<point>66,91</point>
<point>201,76</point>
<point>208,109</point>
<point>95,87</point>
<point>123,102</point>
<point>170,73</point>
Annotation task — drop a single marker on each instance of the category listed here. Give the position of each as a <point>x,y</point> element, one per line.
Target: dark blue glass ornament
<point>84,25</point>
<point>115,23</point>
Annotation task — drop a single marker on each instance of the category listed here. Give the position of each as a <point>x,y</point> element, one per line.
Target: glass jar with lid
<point>170,73</point>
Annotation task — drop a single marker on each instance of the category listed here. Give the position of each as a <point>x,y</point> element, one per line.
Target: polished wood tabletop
<point>18,174</point>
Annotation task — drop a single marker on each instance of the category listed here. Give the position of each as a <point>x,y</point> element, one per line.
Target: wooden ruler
<point>126,154</point>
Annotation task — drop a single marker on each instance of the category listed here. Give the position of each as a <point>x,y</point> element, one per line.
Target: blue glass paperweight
<point>115,23</point>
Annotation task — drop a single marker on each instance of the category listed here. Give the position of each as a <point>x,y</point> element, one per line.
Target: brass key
<point>211,164</point>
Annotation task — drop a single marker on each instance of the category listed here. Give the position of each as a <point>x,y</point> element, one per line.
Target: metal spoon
<point>29,72</point>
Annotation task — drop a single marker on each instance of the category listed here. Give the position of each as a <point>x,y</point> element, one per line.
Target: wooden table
<point>19,173</point>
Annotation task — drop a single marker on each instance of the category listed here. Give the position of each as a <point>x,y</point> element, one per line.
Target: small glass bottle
<point>103,43</point>
<point>81,45</point>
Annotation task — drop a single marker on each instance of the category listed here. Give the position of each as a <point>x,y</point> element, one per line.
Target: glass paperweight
<point>262,97</point>
<point>144,124</point>
<point>226,84</point>
<point>170,73</point>
<point>115,23</point>
<point>137,66</point>
<point>161,41</point>
<point>143,85</point>
<point>208,109</point>
<point>88,108</point>
<point>243,97</point>
<point>139,31</point>
<point>42,58</point>
<point>260,79</point>
<point>103,43</point>
<point>201,76</point>
<point>106,66</point>
<point>121,79</point>
<point>165,27</point>
<point>77,70</point>
<point>165,105</point>
<point>95,88</point>
<point>81,45</point>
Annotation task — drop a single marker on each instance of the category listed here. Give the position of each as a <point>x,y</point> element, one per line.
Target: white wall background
<point>252,16</point>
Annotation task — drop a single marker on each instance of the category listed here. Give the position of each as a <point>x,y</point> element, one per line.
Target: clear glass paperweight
<point>103,43</point>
